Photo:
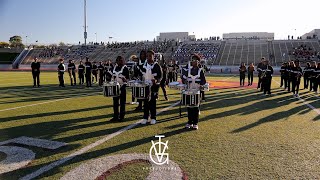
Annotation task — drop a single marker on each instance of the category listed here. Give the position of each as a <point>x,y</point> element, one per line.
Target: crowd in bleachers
<point>50,52</point>
<point>304,52</point>
<point>206,50</point>
<point>79,52</point>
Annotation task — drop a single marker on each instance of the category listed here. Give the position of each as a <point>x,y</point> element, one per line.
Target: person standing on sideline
<point>306,76</point>
<point>61,70</point>
<point>282,72</point>
<point>72,73</point>
<point>250,74</point>
<point>81,73</point>
<point>267,78</point>
<point>260,68</point>
<point>242,70</point>
<point>101,73</point>
<point>35,68</point>
<point>297,73</point>
<point>88,68</point>
<point>94,72</point>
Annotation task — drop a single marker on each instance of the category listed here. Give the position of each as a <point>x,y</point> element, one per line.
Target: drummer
<point>152,74</point>
<point>137,73</point>
<point>120,74</point>
<point>188,73</point>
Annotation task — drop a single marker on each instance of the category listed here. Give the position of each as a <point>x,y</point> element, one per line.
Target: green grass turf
<point>242,133</point>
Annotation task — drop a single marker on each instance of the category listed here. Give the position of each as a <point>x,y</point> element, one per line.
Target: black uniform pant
<point>193,115</point>
<point>242,78</point>
<point>289,83</point>
<point>36,78</point>
<point>101,79</point>
<point>163,87</point>
<point>172,77</point>
<point>260,83</point>
<point>316,84</point>
<point>150,105</point>
<point>73,79</point>
<point>266,82</point>
<point>305,82</point>
<point>122,98</point>
<point>202,95</point>
<point>88,80</point>
<point>61,79</point>
<point>282,81</point>
<point>250,78</point>
<point>285,79</point>
<point>81,78</point>
<point>295,85</point>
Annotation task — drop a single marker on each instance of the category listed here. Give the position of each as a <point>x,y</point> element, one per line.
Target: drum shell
<point>141,91</point>
<point>111,89</point>
<point>190,98</point>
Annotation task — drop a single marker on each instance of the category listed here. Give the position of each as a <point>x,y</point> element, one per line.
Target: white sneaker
<point>144,121</point>
<point>195,127</point>
<point>188,126</point>
<point>153,121</point>
<point>199,112</point>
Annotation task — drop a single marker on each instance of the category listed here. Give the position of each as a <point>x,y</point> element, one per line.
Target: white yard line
<point>46,102</point>
<point>87,148</point>
<point>304,102</point>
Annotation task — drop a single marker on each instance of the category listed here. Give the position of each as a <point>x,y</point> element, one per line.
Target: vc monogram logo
<point>159,150</point>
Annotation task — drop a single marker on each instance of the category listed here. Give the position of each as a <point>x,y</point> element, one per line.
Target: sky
<point>54,21</point>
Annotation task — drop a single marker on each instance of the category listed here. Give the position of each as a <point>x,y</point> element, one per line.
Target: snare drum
<point>173,85</point>
<point>190,98</point>
<point>111,89</point>
<point>181,87</point>
<point>130,83</point>
<point>141,90</point>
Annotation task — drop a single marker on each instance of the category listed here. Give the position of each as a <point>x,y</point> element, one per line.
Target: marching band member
<point>101,73</point>
<point>121,74</point>
<point>163,82</point>
<point>290,74</point>
<point>189,73</point>
<point>267,78</point>
<point>282,72</point>
<point>81,69</point>
<point>286,75</point>
<point>152,74</point>
<point>61,69</point>
<point>242,70</point>
<point>260,68</point>
<point>94,72</point>
<point>313,76</point>
<point>108,67</point>
<point>72,72</point>
<point>88,68</point>
<point>172,71</point>
<point>137,73</point>
<point>250,74</point>
<point>317,78</point>
<point>35,68</point>
<point>297,73</point>
<point>306,76</point>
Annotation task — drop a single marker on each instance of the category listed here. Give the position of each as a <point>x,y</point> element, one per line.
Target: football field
<point>242,133</point>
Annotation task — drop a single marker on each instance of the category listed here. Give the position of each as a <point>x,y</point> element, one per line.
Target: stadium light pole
<point>96,37</point>
<point>85,22</point>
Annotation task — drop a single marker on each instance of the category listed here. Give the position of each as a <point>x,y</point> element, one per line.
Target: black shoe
<point>38,85</point>
<point>138,108</point>
<point>166,98</point>
<point>34,86</point>
<point>114,119</point>
<point>121,119</point>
